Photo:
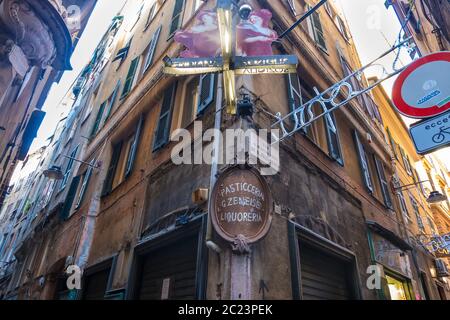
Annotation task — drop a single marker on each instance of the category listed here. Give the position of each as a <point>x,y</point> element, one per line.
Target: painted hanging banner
<point>423,89</point>
<point>240,205</point>
<point>254,37</point>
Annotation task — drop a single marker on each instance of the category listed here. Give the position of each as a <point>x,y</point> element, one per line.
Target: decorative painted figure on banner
<point>254,35</point>
<point>203,39</point>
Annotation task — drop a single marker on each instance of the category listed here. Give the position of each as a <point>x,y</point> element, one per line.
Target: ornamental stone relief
<point>28,31</point>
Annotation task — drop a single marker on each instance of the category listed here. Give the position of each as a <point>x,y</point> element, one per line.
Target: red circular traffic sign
<point>422,90</point>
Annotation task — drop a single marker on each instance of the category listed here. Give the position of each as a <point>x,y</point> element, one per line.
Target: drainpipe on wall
<point>87,234</point>
<point>215,161</point>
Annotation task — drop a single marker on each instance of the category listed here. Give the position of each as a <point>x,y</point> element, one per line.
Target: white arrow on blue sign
<point>431,134</point>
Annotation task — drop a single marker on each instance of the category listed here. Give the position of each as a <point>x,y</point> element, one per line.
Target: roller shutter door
<point>170,272</point>
<point>95,285</point>
<point>324,277</point>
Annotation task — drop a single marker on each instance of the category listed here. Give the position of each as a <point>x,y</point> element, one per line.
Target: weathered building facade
<point>36,42</point>
<point>412,182</point>
<point>428,22</point>
<point>125,213</point>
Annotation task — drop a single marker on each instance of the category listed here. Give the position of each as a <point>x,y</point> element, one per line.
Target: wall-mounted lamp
<point>54,173</point>
<point>436,197</point>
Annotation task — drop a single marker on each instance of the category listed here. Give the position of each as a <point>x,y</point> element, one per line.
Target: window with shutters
<point>130,80</point>
<point>292,7</point>
<point>122,159</point>
<point>334,145</point>
<point>206,90</point>
<point>98,119</point>
<point>137,16</point>
<point>341,27</point>
<point>69,168</point>
<point>199,93</point>
<point>392,143</point>
<point>406,163</point>
<point>111,101</point>
<point>323,132</point>
<point>415,207</point>
<point>316,29</point>
<point>190,102</point>
<point>384,185</point>
<point>122,54</point>
<point>402,203</point>
<point>150,51</point>
<point>363,162</point>
<point>162,133</point>
<point>177,17</point>
<point>151,14</point>
<point>67,207</point>
<point>85,183</point>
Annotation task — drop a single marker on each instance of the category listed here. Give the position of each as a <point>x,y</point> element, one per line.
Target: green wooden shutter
<point>176,17</point>
<point>69,168</point>
<point>334,146</point>
<point>134,147</point>
<point>206,91</point>
<point>117,149</point>
<point>84,186</point>
<point>130,77</point>
<point>392,143</point>
<point>165,118</point>
<point>112,100</point>
<point>152,49</point>
<point>317,29</point>
<point>98,119</point>
<point>294,91</point>
<point>383,182</point>
<point>65,212</point>
<point>364,163</point>
<point>151,15</point>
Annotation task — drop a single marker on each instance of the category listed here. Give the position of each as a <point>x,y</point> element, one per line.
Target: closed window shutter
<point>163,130</point>
<point>112,169</point>
<point>363,163</point>
<point>112,101</point>
<point>294,91</point>
<point>98,119</point>
<point>206,91</point>
<point>152,49</point>
<point>151,15</point>
<point>130,77</point>
<point>333,139</point>
<point>65,212</point>
<point>84,186</point>
<point>383,182</point>
<point>392,143</point>
<point>134,146</point>
<point>316,29</point>
<point>69,167</point>
<point>122,54</point>
<point>176,17</point>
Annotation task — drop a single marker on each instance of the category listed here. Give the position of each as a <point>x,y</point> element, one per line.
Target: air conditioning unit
<point>441,268</point>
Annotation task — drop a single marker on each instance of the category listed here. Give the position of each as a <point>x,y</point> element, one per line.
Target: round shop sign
<point>241,205</point>
<point>422,90</point>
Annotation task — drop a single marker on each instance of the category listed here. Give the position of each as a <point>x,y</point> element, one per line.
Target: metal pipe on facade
<point>215,161</point>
